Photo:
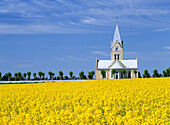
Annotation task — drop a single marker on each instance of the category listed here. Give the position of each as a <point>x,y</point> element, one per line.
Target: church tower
<point>117,45</point>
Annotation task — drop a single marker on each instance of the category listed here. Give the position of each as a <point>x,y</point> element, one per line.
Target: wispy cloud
<point>62,16</point>
<point>61,59</point>
<point>131,53</point>
<point>89,20</point>
<point>77,58</point>
<point>167,47</point>
<point>97,47</point>
<point>70,59</point>
<point>36,29</point>
<point>19,66</point>
<point>100,53</point>
<point>161,30</point>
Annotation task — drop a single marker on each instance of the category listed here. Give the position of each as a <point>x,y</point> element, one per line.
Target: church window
<point>115,56</point>
<point>116,48</point>
<point>118,56</point>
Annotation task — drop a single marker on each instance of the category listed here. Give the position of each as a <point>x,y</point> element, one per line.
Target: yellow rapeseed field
<point>129,102</point>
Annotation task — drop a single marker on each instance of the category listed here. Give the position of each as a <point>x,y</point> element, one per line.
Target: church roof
<point>120,64</point>
<point>117,35</point>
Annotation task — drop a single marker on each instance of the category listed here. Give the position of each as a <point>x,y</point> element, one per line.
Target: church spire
<point>117,33</point>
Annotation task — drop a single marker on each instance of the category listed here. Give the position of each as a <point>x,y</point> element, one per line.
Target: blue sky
<point>68,35</point>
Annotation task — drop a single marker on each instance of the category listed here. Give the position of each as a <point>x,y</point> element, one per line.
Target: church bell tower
<point>117,45</point>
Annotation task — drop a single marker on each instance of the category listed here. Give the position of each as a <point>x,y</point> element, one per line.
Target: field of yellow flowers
<point>133,101</point>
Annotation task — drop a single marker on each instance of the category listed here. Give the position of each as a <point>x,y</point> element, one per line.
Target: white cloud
<point>161,30</point>
<point>37,29</point>
<point>167,47</point>
<point>62,16</point>
<point>61,59</point>
<point>131,53</point>
<point>77,58</point>
<point>89,20</point>
<point>100,53</point>
<point>97,47</point>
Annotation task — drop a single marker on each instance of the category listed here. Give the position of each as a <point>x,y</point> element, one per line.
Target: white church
<point>117,61</point>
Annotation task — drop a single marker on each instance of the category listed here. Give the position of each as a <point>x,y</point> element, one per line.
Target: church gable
<point>116,65</point>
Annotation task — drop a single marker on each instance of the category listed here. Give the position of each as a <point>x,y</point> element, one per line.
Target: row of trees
<point>41,76</point>
<point>166,73</point>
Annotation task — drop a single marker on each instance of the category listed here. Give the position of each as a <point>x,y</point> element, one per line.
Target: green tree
<point>19,75</point>
<point>113,71</point>
<point>55,78</point>
<point>29,75</point>
<point>155,73</point>
<point>40,74</point>
<point>146,74</point>
<point>66,77</point>
<point>103,73</point>
<point>84,77</point>
<point>168,72</point>
<point>25,75</point>
<point>6,76</point>
<point>9,76</point>
<point>164,73</point>
<point>61,75</point>
<point>16,75</point>
<point>160,75</point>
<point>91,74</point>
<point>0,74</point>
<point>71,74</point>
<point>43,75</point>
<point>81,74</point>
<point>124,72</point>
<point>58,77</point>
<point>73,77</point>
<point>135,72</point>
<point>34,74</point>
<point>50,74</point>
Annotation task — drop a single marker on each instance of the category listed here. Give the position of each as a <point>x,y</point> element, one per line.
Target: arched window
<point>115,56</point>
<point>118,56</point>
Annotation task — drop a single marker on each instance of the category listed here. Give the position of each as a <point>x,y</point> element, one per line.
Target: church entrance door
<point>117,76</point>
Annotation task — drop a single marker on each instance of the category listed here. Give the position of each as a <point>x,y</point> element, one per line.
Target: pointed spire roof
<point>116,34</point>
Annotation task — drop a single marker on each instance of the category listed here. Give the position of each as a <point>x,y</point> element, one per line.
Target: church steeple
<point>117,45</point>
<point>117,33</point>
